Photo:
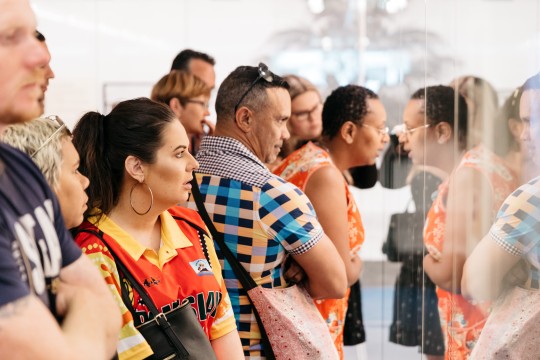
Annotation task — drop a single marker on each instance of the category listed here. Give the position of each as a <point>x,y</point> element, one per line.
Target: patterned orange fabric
<point>297,168</point>
<point>462,320</point>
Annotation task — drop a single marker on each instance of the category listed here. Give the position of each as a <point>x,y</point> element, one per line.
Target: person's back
<point>263,218</point>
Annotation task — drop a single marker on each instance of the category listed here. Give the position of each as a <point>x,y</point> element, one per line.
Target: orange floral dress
<point>297,169</point>
<point>463,320</point>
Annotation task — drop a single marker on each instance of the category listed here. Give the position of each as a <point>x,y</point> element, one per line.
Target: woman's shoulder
<point>187,215</point>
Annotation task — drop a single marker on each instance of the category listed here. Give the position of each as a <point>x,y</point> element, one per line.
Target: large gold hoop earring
<point>131,200</point>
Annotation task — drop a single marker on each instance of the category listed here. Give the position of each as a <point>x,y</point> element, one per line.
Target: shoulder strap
<point>161,319</point>
<point>200,229</point>
<point>243,276</point>
<point>140,289</point>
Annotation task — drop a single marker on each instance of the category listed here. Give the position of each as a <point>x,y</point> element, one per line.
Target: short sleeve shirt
<point>517,227</point>
<point>185,267</point>
<point>33,237</point>
<point>263,218</point>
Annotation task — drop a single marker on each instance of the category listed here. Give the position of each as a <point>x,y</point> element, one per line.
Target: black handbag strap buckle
<point>162,321</point>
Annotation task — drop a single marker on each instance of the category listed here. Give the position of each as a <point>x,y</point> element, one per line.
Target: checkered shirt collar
<point>229,158</point>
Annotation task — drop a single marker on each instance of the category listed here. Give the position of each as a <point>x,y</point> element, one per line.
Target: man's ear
<point>443,131</point>
<point>134,167</point>
<point>244,119</point>
<point>348,132</point>
<point>176,107</point>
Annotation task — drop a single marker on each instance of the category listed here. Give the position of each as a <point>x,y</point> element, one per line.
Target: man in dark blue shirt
<point>42,272</point>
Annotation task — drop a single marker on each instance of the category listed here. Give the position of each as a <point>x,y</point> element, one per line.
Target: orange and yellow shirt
<point>461,320</point>
<point>185,267</point>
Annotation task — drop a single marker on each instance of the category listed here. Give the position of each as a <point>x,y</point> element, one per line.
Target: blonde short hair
<point>179,84</point>
<point>30,136</point>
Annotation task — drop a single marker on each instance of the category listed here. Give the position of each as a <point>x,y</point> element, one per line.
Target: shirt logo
<point>201,267</point>
<point>151,281</point>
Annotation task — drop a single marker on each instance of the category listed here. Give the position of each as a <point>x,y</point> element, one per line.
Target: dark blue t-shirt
<point>33,238</point>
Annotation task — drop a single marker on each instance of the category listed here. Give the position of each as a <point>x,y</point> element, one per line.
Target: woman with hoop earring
<point>138,162</point>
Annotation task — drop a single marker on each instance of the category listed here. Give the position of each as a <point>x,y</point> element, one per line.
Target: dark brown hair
<point>133,127</point>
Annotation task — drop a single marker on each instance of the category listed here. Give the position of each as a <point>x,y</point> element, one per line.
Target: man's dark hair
<point>440,106</point>
<point>237,83</point>
<point>184,57</point>
<point>346,103</point>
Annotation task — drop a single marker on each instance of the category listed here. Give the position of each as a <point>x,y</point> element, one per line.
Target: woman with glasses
<point>188,98</point>
<point>354,134</point>
<point>465,204</point>
<point>305,123</point>
<point>48,142</point>
<point>139,165</point>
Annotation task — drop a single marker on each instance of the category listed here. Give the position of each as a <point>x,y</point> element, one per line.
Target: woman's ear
<point>244,119</point>
<point>176,107</point>
<point>348,132</point>
<point>443,131</point>
<point>516,128</point>
<point>134,168</point>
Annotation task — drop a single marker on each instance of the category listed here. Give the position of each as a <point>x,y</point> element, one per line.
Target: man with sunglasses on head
<point>43,274</point>
<point>263,217</point>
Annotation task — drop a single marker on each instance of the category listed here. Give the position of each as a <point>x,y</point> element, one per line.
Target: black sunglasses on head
<point>264,74</point>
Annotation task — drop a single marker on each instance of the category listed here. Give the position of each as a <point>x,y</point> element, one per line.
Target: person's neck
<point>339,154</point>
<point>146,229</point>
<point>514,161</point>
<point>449,159</point>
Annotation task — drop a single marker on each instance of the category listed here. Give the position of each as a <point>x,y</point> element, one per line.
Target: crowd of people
<point>109,232</point>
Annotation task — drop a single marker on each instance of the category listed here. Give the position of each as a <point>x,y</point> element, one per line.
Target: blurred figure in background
<point>305,123</point>
<point>463,210</point>
<point>197,63</point>
<point>510,250</point>
<point>354,134</point>
<point>415,320</point>
<point>188,97</point>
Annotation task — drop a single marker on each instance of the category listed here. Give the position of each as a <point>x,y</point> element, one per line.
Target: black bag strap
<point>161,318</point>
<point>243,276</point>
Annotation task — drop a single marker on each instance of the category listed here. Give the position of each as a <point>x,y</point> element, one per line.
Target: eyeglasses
<point>304,115</point>
<point>204,104</point>
<point>403,129</point>
<point>57,121</point>
<point>382,131</point>
<point>264,74</point>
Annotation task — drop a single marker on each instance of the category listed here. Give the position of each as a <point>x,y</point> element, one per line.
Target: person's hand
<point>434,252</point>
<point>67,294</point>
<point>294,273</point>
<point>518,275</point>
<point>211,126</point>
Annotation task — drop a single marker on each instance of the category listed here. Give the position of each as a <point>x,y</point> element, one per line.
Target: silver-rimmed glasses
<point>403,129</point>
<point>264,74</point>
<point>382,131</point>
<point>56,120</point>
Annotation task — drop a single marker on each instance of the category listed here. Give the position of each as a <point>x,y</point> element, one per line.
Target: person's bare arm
<point>324,270</point>
<point>326,191</point>
<point>468,217</point>
<point>29,331</point>
<point>82,274</point>
<point>485,270</point>
<point>228,347</point>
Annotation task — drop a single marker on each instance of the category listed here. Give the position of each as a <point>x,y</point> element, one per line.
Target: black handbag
<point>175,334</point>
<point>404,238</point>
